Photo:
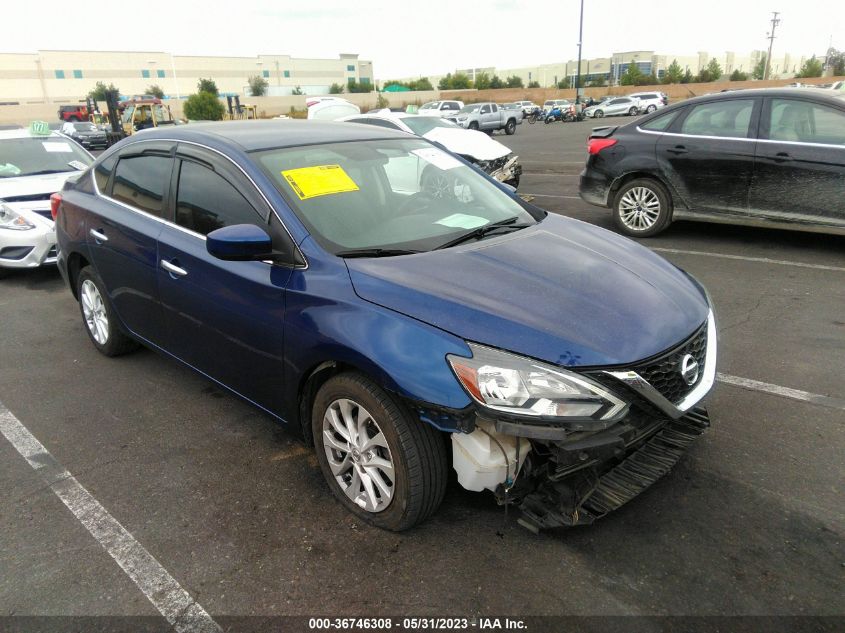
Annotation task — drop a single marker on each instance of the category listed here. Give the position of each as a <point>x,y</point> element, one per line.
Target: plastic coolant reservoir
<point>479,461</point>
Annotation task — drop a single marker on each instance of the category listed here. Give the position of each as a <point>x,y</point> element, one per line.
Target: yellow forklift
<point>133,115</point>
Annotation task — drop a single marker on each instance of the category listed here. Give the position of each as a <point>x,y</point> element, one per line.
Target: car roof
<point>24,133</point>
<point>814,93</point>
<point>269,134</point>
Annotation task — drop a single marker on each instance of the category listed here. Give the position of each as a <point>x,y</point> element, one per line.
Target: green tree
<point>296,91</point>
<point>382,102</point>
<point>496,83</point>
<point>207,85</point>
<point>687,77</point>
<point>99,91</point>
<point>565,83</point>
<point>533,84</point>
<point>738,75</point>
<point>836,62</point>
<point>460,81</point>
<point>631,76</point>
<point>811,68</point>
<point>335,89</point>
<point>482,81</point>
<point>354,86</point>
<point>760,69</point>
<point>257,86</point>
<point>648,80</point>
<point>155,90</point>
<point>673,73</point>
<point>420,84</point>
<point>599,82</point>
<point>711,72</point>
<point>203,106</point>
<point>445,83</point>
<point>514,81</point>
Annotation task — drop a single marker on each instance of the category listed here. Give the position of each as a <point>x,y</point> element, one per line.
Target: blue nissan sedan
<point>400,310</point>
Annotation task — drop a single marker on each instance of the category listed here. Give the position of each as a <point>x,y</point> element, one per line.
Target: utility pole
<point>771,36</point>
<point>580,39</point>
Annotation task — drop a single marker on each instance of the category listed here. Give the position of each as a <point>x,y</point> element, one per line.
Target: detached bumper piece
<point>581,497</point>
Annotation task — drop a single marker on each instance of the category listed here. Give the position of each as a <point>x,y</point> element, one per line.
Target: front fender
<point>325,321</point>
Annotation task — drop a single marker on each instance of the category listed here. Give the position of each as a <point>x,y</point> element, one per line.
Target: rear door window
<point>205,201</point>
<point>805,122</point>
<point>141,181</point>
<point>728,119</point>
<point>660,123</point>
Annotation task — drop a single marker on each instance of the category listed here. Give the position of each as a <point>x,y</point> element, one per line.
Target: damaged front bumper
<point>504,169</point>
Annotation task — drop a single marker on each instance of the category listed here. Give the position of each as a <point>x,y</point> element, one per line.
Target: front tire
<point>599,114</point>
<point>633,111</point>
<point>510,127</point>
<point>99,317</point>
<point>473,126</point>
<point>385,467</point>
<point>642,208</point>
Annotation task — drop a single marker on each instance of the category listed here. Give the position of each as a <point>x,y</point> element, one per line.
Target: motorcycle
<point>573,113</point>
<point>555,114</point>
<point>536,115</point>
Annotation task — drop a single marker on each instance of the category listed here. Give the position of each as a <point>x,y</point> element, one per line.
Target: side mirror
<point>239,242</point>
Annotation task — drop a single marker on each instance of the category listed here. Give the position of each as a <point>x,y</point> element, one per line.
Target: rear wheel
<point>383,466</point>
<point>98,316</point>
<point>510,127</point>
<point>642,208</point>
<point>651,109</point>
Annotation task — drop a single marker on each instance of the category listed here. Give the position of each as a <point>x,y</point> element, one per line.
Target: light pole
<point>580,41</point>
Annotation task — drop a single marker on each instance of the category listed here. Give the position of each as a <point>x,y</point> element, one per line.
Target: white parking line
<point>764,260</point>
<point>786,392</point>
<point>160,588</point>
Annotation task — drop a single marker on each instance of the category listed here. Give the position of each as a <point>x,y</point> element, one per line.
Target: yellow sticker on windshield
<point>310,182</point>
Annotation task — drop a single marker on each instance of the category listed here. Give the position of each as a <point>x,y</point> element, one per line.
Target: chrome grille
<point>664,373</point>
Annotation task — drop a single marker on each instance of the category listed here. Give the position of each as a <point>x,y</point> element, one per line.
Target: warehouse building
<point>62,76</point>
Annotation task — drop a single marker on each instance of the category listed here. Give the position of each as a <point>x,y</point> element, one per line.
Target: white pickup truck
<point>486,117</point>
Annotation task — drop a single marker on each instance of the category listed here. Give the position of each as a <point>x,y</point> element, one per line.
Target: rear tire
<point>98,316</point>
<point>395,444</point>
<point>650,109</point>
<point>642,208</point>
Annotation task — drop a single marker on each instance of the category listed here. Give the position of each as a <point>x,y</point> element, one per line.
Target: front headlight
<point>12,220</point>
<point>523,386</point>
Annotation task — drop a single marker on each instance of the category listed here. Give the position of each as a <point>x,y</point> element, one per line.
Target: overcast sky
<point>424,37</point>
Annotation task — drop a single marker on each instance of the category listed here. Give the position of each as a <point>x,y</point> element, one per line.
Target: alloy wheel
<point>94,311</point>
<point>437,185</point>
<point>639,208</point>
<point>358,455</point>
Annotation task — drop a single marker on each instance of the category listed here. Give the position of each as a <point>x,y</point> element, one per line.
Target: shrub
<point>207,85</point>
<point>257,85</point>
<point>203,106</point>
<point>156,91</point>
<point>335,89</point>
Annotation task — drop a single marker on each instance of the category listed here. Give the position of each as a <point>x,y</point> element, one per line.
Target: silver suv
<point>613,106</point>
<point>650,101</point>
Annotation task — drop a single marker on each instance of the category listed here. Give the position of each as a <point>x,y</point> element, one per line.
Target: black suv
<point>774,157</point>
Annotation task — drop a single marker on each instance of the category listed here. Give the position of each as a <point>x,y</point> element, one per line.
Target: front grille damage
<point>579,480</point>
<point>664,374</point>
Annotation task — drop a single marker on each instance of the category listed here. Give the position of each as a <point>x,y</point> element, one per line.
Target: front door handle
<point>99,236</point>
<point>173,269</point>
<point>678,149</point>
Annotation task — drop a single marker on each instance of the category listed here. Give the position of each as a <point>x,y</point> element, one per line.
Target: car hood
<point>11,188</point>
<point>468,143</point>
<point>563,291</point>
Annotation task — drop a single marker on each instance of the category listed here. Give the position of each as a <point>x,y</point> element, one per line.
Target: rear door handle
<point>98,235</point>
<point>782,157</point>
<point>678,149</point>
<point>173,269</point>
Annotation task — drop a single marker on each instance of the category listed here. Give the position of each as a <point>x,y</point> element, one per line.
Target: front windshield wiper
<point>481,231</point>
<point>374,252</point>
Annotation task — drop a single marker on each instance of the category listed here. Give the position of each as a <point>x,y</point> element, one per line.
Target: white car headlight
<point>522,386</point>
<point>12,220</point>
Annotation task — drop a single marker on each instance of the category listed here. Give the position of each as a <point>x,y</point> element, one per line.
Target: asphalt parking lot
<point>750,523</point>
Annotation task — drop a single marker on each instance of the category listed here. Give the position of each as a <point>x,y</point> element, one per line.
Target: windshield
<point>40,155</point>
<point>386,194</point>
<point>431,105</point>
<point>471,108</point>
<point>84,127</point>
<point>549,103</point>
<point>422,124</point>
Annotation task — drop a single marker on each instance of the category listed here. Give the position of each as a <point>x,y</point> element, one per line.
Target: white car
<point>330,108</point>
<point>32,168</point>
<point>440,108</point>
<point>490,155</point>
<point>650,101</point>
<point>551,104</point>
<point>527,106</point>
<point>613,106</point>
